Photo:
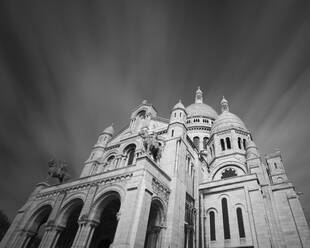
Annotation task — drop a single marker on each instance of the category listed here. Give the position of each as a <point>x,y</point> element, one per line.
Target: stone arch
<point>240,205</point>
<point>163,208</point>
<point>68,220</point>
<point>156,223</point>
<point>100,202</point>
<point>211,209</point>
<point>224,195</point>
<point>105,212</point>
<point>103,191</point>
<point>36,224</point>
<point>76,196</point>
<point>39,205</point>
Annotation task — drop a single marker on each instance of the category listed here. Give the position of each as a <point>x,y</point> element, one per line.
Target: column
<point>159,230</point>
<point>85,233</point>
<point>51,236</point>
<point>132,225</point>
<point>103,167</point>
<point>118,159</point>
<point>23,238</point>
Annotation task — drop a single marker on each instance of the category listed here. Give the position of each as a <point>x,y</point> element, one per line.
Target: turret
<point>177,120</point>
<point>96,154</point>
<point>178,113</point>
<point>227,145</point>
<point>229,132</point>
<point>254,163</point>
<point>105,136</point>
<point>276,169</point>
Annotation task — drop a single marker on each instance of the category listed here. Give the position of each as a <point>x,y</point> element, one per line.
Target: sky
<point>68,69</point>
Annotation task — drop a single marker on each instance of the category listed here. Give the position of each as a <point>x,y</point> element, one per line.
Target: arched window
<point>196,142</point>
<point>172,132</point>
<point>244,144</point>
<point>240,223</point>
<point>188,164</point>
<point>225,219</point>
<point>228,143</point>
<point>110,159</point>
<point>239,142</point>
<point>130,153</point>
<point>223,144</point>
<point>175,114</point>
<point>275,165</point>
<point>205,141</point>
<point>142,114</point>
<point>212,226</point>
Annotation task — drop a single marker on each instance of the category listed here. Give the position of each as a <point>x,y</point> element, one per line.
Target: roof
<point>228,120</point>
<point>201,109</point>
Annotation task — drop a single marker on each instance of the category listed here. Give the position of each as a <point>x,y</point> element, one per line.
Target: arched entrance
<point>153,237</point>
<point>106,213</point>
<point>69,219</point>
<point>37,226</point>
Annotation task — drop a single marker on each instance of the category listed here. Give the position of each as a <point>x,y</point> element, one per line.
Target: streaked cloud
<point>69,69</point>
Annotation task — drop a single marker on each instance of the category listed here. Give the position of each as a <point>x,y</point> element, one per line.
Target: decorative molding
<point>82,186</point>
<point>160,190</point>
<point>199,128</point>
<point>162,132</point>
<point>111,147</point>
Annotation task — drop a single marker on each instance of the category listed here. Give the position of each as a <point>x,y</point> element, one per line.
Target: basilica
<point>195,180</point>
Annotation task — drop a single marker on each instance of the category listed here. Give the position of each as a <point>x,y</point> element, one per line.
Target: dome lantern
<point>198,98</point>
<point>224,104</point>
<point>198,108</point>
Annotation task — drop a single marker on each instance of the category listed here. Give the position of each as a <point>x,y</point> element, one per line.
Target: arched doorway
<point>155,224</point>
<point>69,219</point>
<point>37,225</point>
<point>106,212</point>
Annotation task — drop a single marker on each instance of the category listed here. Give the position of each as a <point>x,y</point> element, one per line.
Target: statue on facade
<point>58,169</point>
<point>151,144</point>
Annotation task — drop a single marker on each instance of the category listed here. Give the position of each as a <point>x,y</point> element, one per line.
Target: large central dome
<point>199,108</point>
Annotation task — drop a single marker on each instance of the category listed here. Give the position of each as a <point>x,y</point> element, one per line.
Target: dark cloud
<point>70,68</point>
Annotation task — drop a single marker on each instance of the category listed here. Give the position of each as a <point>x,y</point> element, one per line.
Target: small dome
<point>179,105</point>
<point>109,130</point>
<point>201,109</point>
<point>227,120</point>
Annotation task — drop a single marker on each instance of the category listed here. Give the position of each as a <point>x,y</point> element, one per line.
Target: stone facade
<point>194,180</point>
